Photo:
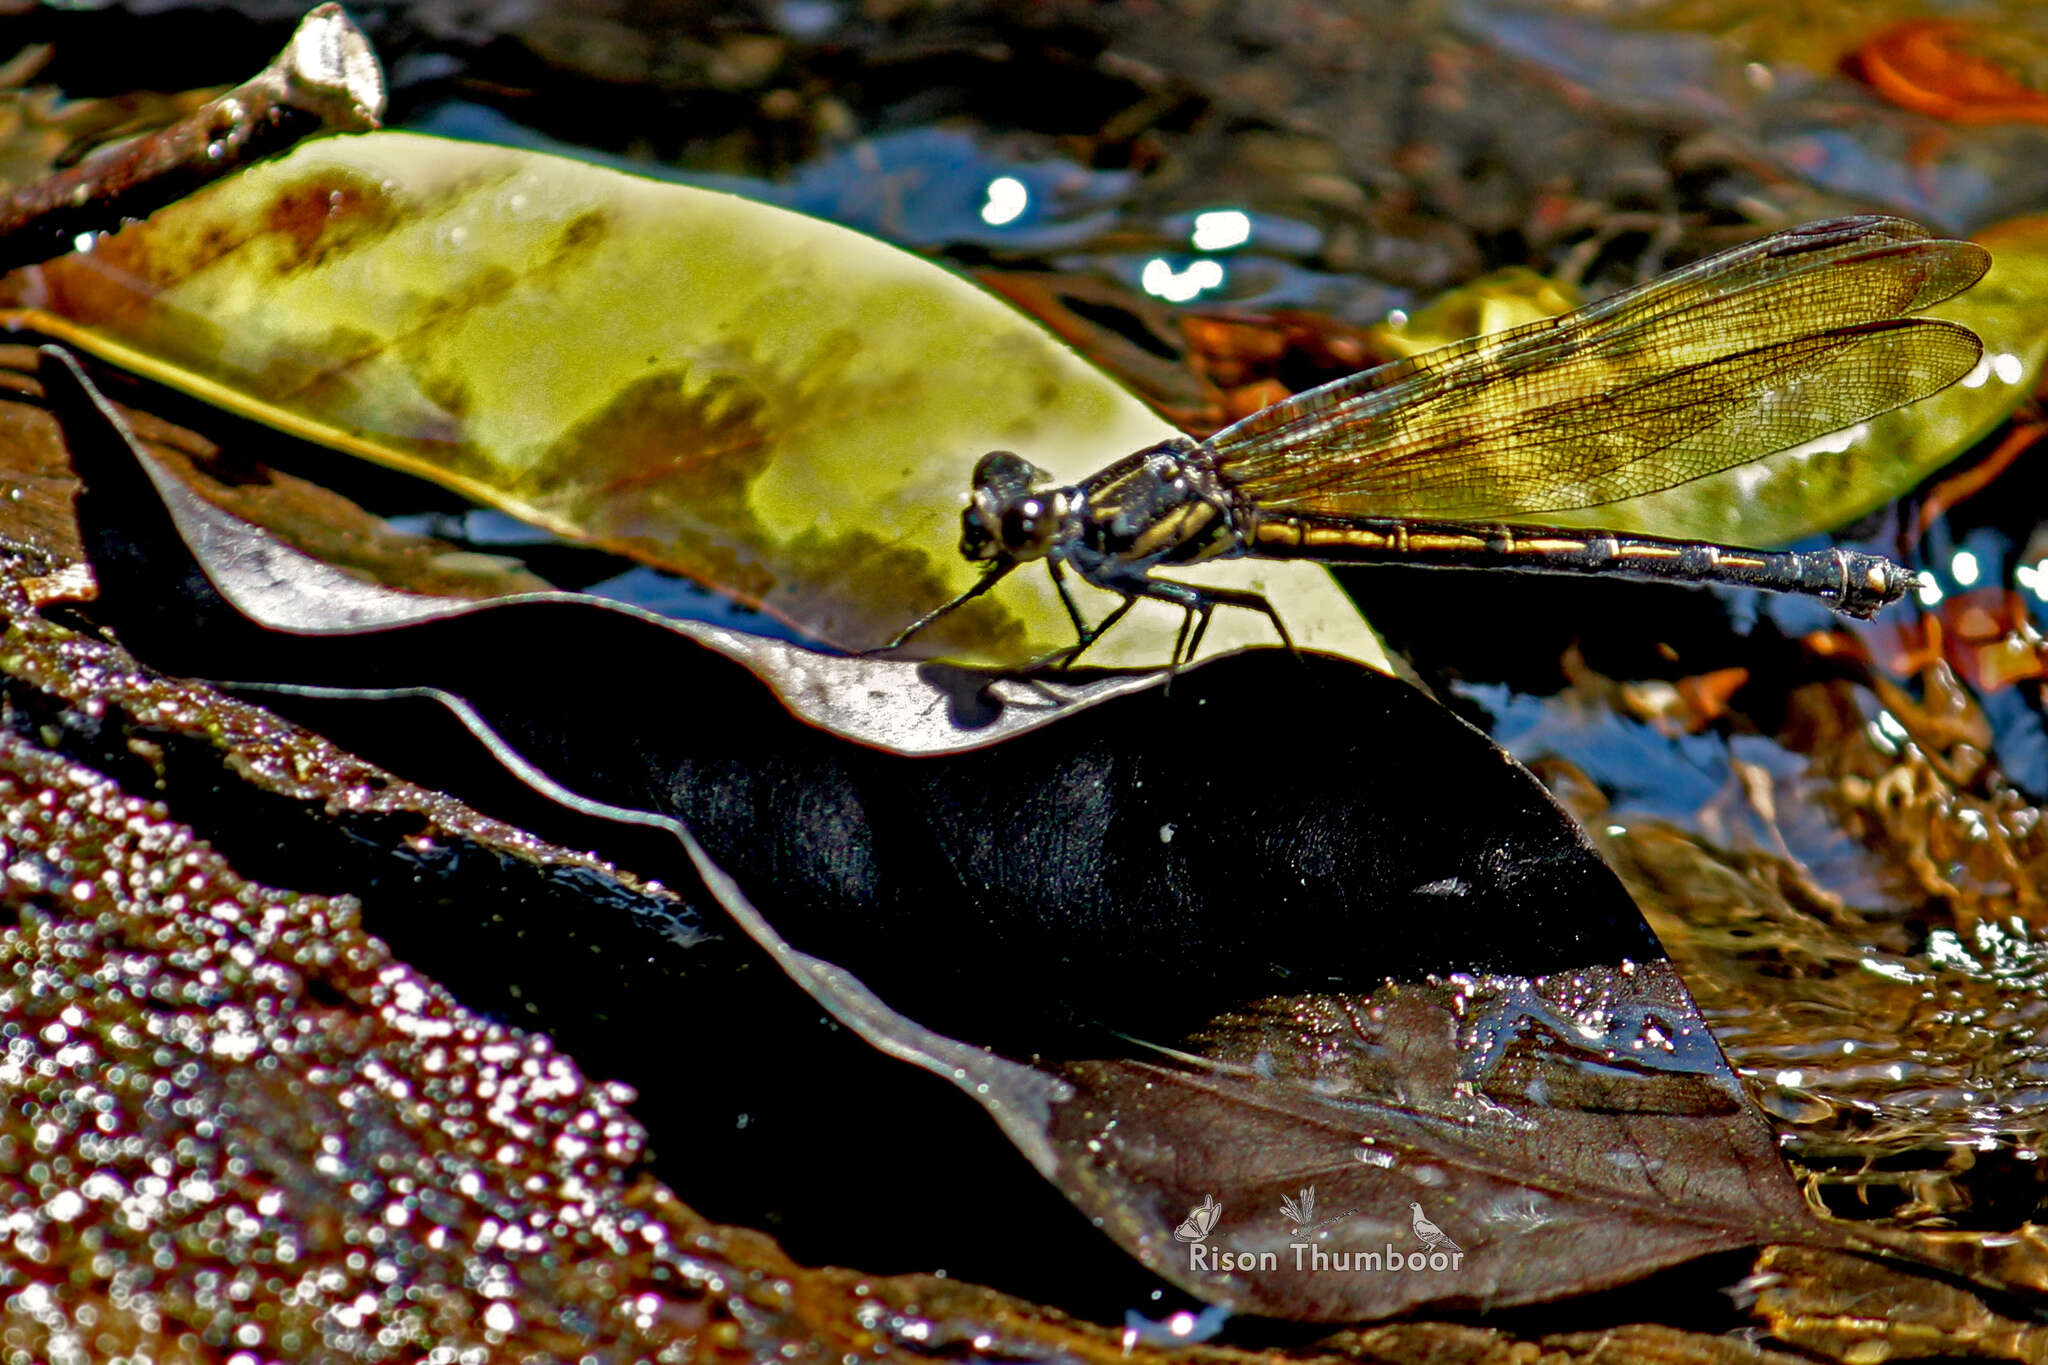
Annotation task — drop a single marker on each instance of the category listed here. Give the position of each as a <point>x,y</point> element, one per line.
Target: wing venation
<point>1763,347</point>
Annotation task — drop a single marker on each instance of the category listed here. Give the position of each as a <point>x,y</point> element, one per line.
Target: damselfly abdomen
<point>1452,458</point>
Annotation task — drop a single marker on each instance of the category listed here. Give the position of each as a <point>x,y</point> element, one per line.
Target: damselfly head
<point>1007,516</point>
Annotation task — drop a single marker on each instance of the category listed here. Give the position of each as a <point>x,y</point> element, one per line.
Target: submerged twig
<point>325,79</point>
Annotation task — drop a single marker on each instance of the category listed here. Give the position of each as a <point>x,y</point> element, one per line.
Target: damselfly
<point>1446,459</point>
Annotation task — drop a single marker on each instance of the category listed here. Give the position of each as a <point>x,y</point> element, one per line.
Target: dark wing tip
<point>1951,265</point>
<point>1971,259</point>
<point>1962,265</point>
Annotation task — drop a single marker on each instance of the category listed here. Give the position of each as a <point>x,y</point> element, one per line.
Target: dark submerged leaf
<point>1288,925</point>
<point>1581,1125</point>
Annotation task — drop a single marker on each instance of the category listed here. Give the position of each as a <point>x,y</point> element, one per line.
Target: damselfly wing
<point>1452,458</point>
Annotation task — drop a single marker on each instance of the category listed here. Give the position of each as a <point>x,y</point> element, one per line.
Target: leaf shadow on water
<point>1285,933</point>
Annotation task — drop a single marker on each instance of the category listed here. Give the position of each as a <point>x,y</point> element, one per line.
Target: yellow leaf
<point>763,401</point>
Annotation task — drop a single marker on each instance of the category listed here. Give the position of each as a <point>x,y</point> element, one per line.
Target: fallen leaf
<point>775,406</point>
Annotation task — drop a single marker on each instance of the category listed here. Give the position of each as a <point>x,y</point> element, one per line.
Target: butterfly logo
<point>1200,1221</point>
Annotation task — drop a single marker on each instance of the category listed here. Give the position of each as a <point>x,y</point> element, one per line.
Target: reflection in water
<point>1221,230</point>
<point>1007,200</point>
<point>2034,578</point>
<point>1592,1023</point>
<point>1161,280</point>
<point>2006,367</point>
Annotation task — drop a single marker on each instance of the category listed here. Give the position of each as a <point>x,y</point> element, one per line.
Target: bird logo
<point>1200,1221</point>
<point>1432,1237</point>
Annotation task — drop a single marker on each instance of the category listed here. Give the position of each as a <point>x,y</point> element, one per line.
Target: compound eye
<point>1006,476</point>
<point>998,466</point>
<point>1021,523</point>
<point>974,537</point>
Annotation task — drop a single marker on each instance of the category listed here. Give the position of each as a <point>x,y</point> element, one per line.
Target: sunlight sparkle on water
<point>1162,281</point>
<point>1007,200</point>
<point>1929,590</point>
<point>2034,578</point>
<point>1964,568</point>
<point>1182,1326</point>
<point>1220,230</point>
<point>1892,971</point>
<point>2004,365</point>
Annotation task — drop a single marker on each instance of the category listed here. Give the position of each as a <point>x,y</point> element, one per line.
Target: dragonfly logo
<point>1301,1211</point>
